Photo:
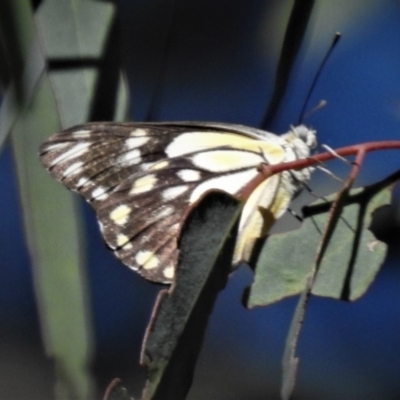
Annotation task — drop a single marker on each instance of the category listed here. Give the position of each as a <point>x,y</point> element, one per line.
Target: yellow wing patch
<point>143,184</point>
<point>120,214</point>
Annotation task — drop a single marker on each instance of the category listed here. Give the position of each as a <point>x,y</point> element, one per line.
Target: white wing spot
<point>169,272</point>
<point>153,262</point>
<point>83,133</point>
<point>142,256</point>
<point>123,241</point>
<point>101,226</point>
<point>165,212</point>
<point>189,175</point>
<point>73,169</point>
<point>131,157</point>
<point>146,166</point>
<point>82,181</point>
<point>56,146</point>
<point>143,184</point>
<point>147,259</point>
<point>76,151</point>
<point>173,192</point>
<point>100,193</point>
<point>160,164</point>
<point>134,142</point>
<point>138,132</point>
<point>120,214</point>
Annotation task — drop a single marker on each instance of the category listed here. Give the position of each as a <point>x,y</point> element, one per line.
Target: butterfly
<point>142,179</point>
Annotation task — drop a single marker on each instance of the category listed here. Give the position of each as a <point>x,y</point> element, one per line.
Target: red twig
<point>359,150</point>
<point>111,387</point>
<point>335,210</point>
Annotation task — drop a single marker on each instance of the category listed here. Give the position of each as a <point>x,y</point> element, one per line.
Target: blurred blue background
<point>221,68</point>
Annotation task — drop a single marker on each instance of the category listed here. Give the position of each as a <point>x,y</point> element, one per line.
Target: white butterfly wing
<point>143,179</point>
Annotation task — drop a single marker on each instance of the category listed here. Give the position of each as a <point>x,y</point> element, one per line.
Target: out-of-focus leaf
<point>176,332</point>
<point>22,63</point>
<point>79,42</point>
<point>295,31</point>
<point>54,245</point>
<point>350,263</point>
<point>52,230</point>
<point>16,32</point>
<point>14,103</point>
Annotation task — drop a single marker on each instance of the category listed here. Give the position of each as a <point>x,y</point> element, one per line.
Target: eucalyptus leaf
<point>82,52</point>
<point>68,94</point>
<point>176,332</point>
<point>350,263</point>
<point>59,279</point>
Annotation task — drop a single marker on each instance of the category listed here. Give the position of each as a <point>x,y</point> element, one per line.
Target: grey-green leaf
<point>53,232</point>
<point>178,324</point>
<point>78,42</point>
<point>349,265</point>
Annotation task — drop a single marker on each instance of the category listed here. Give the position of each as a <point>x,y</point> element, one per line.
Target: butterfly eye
<point>311,141</point>
<point>308,136</point>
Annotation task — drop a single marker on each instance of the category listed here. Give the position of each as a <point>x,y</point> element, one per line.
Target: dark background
<point>220,67</point>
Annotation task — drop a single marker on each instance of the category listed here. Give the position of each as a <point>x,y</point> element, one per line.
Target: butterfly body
<point>142,179</point>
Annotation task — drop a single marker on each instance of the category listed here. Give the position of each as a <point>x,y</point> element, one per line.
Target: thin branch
<point>358,150</point>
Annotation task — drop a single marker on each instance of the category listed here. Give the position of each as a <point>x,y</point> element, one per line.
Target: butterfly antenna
<point>303,114</point>
<point>320,105</point>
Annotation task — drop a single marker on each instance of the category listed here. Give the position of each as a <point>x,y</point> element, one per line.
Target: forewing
<point>95,158</point>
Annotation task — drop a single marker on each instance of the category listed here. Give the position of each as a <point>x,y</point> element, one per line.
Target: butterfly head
<point>301,139</point>
<point>308,136</point>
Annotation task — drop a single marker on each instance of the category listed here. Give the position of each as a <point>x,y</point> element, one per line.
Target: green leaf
<point>176,331</point>
<point>293,40</point>
<point>52,228</point>
<point>351,260</point>
<point>54,244</point>
<point>21,51</point>
<point>17,29</point>
<point>79,41</point>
